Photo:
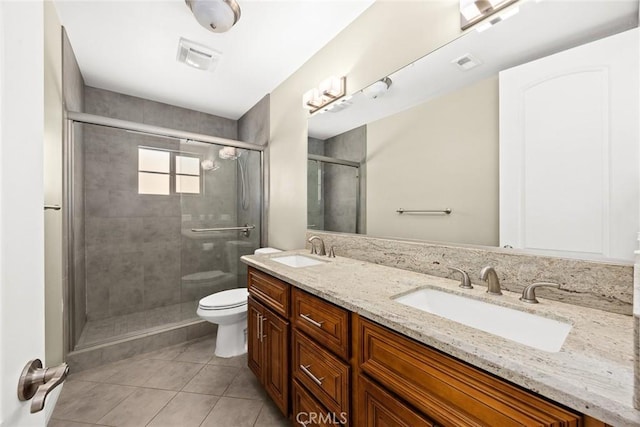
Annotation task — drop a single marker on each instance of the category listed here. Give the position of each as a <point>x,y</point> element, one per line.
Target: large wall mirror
<point>525,130</point>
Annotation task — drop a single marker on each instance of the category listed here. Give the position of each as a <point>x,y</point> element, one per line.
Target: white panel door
<point>569,151</point>
<point>21,203</point>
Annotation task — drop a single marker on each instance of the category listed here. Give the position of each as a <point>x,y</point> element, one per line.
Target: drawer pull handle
<point>315,379</point>
<point>310,320</point>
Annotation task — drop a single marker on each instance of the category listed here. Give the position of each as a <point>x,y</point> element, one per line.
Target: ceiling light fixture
<point>474,11</point>
<point>329,91</point>
<point>215,15</point>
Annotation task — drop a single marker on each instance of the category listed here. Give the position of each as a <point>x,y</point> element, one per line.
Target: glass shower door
<point>140,261</point>
<point>220,197</point>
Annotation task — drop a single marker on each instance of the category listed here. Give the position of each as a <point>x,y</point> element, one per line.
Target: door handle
<point>37,382</point>
<point>258,316</point>
<point>52,207</point>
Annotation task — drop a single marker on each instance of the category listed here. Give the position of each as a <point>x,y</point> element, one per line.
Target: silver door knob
<point>37,382</point>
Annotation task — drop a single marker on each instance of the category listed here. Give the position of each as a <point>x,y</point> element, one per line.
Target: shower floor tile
<point>126,325</point>
<point>170,392</point>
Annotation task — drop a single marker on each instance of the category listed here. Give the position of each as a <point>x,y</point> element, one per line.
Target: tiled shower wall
<point>136,252</point>
<point>253,127</point>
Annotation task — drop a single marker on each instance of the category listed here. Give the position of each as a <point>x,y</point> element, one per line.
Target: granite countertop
<point>592,373</point>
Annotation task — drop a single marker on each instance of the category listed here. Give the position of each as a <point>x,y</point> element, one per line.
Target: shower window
<point>160,171</point>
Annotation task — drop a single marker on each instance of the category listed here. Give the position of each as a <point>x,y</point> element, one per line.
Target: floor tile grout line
<point>122,400</point>
<point>210,410</point>
<point>160,410</point>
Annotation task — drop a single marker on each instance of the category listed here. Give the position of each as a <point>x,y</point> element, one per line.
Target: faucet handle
<point>332,252</point>
<point>529,293</point>
<point>465,281</point>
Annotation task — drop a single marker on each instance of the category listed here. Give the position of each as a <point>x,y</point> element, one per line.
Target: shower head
<point>229,153</point>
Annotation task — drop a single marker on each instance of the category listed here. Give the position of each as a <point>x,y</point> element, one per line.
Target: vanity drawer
<point>446,390</point>
<point>322,321</point>
<point>308,411</point>
<point>272,292</point>
<point>322,373</point>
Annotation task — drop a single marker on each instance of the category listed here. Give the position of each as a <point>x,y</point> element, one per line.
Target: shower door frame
<point>73,117</point>
<point>342,162</point>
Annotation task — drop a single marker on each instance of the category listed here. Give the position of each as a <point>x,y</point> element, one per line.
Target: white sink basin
<point>297,261</point>
<point>524,328</point>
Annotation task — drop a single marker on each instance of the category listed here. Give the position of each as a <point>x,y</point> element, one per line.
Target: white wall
<point>384,38</point>
<point>441,154</point>
<point>53,117</point>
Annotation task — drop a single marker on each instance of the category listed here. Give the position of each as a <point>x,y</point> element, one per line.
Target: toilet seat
<point>232,298</point>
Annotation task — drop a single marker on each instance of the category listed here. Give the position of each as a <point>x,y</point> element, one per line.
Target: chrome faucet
<point>529,293</point>
<point>314,250</point>
<point>489,275</point>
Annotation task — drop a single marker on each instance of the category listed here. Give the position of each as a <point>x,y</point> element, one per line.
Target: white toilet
<point>228,309</point>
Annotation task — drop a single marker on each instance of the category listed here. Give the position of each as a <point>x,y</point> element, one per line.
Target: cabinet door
<point>255,349</point>
<point>377,408</point>
<point>276,359</point>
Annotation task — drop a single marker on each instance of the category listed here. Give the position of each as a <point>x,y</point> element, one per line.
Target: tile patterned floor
<point>180,386</point>
<point>104,330</point>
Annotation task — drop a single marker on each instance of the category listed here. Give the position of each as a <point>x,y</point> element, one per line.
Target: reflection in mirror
<point>336,182</point>
<point>545,161</point>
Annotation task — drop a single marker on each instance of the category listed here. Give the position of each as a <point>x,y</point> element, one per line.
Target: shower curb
<point>152,340</point>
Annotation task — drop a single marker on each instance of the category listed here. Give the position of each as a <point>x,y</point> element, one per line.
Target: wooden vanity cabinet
<point>337,368</point>
<point>268,335</point>
<point>320,354</point>
<point>446,390</point>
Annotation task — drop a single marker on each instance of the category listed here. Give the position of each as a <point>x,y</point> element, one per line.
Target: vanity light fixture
<point>474,11</point>
<point>494,20</point>
<point>329,91</point>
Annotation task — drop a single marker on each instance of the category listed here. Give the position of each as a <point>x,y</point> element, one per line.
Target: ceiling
<point>130,47</point>
<point>541,28</point>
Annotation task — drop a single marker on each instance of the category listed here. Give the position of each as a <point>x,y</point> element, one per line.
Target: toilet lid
<point>226,299</point>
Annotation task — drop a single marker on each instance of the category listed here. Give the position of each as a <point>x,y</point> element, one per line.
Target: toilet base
<point>231,340</point>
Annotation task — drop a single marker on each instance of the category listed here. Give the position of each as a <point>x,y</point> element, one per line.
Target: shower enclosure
<point>159,218</point>
<point>333,194</point>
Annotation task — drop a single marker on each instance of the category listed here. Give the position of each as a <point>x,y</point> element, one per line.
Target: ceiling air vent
<point>466,62</point>
<point>197,56</point>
